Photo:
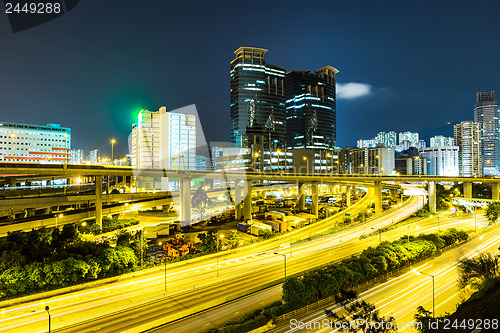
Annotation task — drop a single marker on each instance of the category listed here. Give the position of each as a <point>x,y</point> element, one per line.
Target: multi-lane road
<point>192,286</point>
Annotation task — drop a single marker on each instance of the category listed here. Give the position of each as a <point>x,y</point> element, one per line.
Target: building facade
<point>468,138</point>
<point>441,161</point>
<point>77,156</point>
<point>367,161</point>
<point>311,109</point>
<point>95,156</point>
<point>486,112</point>
<point>257,100</point>
<point>409,136</point>
<point>34,143</point>
<point>162,139</point>
<point>388,139</point>
<point>441,141</point>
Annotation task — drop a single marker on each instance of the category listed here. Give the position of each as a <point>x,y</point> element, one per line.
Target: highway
<point>222,314</point>
<point>401,295</point>
<point>239,273</point>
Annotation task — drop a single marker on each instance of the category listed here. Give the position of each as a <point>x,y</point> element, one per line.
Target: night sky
<point>404,65</point>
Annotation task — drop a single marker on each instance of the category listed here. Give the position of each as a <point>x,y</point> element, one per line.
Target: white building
<point>442,141</point>
<point>468,139</point>
<point>34,143</point>
<point>409,136</point>
<point>95,156</point>
<point>166,140</point>
<point>366,143</point>
<point>389,139</point>
<point>77,156</point>
<point>441,161</point>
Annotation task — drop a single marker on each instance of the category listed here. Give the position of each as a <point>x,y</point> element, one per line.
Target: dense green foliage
<point>361,312</point>
<point>108,225</point>
<point>40,260</point>
<point>334,279</point>
<point>492,212</point>
<point>371,263</point>
<point>479,271</point>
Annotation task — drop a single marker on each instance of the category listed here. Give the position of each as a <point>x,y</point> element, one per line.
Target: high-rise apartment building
<point>441,161</point>
<point>311,109</point>
<point>409,136</point>
<point>34,143</point>
<point>441,141</point>
<point>367,161</point>
<point>162,139</point>
<point>388,139</point>
<point>76,156</point>
<point>487,114</point>
<point>95,156</point>
<point>468,138</point>
<point>257,100</point>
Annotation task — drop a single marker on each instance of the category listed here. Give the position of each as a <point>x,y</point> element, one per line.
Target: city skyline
<point>72,72</point>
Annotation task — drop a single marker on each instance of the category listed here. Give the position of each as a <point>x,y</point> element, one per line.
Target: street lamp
<point>47,309</point>
<point>284,258</point>
<point>433,295</point>
<point>165,261</point>
<point>112,146</point>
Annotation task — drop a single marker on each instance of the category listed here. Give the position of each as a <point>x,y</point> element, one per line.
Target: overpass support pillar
<point>468,190</point>
<point>30,212</point>
<point>302,196</point>
<point>495,189</point>
<point>348,196</point>
<point>378,197</point>
<point>237,202</point>
<point>247,203</point>
<point>185,192</point>
<point>315,200</point>
<point>432,197</point>
<point>98,201</point>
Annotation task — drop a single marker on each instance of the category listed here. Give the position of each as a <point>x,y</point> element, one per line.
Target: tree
<point>200,200</point>
<point>209,241</point>
<point>233,239</point>
<point>364,313</point>
<point>480,270</point>
<point>493,211</point>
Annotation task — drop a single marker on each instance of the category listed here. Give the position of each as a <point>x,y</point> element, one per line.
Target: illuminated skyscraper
<point>487,114</point>
<point>441,141</point>
<point>409,136</point>
<point>388,139</point>
<point>468,139</point>
<point>257,100</point>
<point>311,109</point>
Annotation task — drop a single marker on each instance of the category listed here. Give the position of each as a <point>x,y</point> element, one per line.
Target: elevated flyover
<point>243,182</point>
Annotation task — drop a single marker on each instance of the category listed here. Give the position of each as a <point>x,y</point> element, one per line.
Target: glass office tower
<point>257,100</point>
<point>487,114</point>
<point>311,109</point>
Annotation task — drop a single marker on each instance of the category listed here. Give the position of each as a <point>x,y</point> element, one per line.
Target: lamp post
<point>165,262</point>
<point>433,295</point>
<point>47,309</point>
<point>112,146</point>
<point>475,220</point>
<point>284,258</point>
<point>13,137</point>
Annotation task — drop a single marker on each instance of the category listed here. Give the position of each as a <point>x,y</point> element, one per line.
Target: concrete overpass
<point>243,182</point>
